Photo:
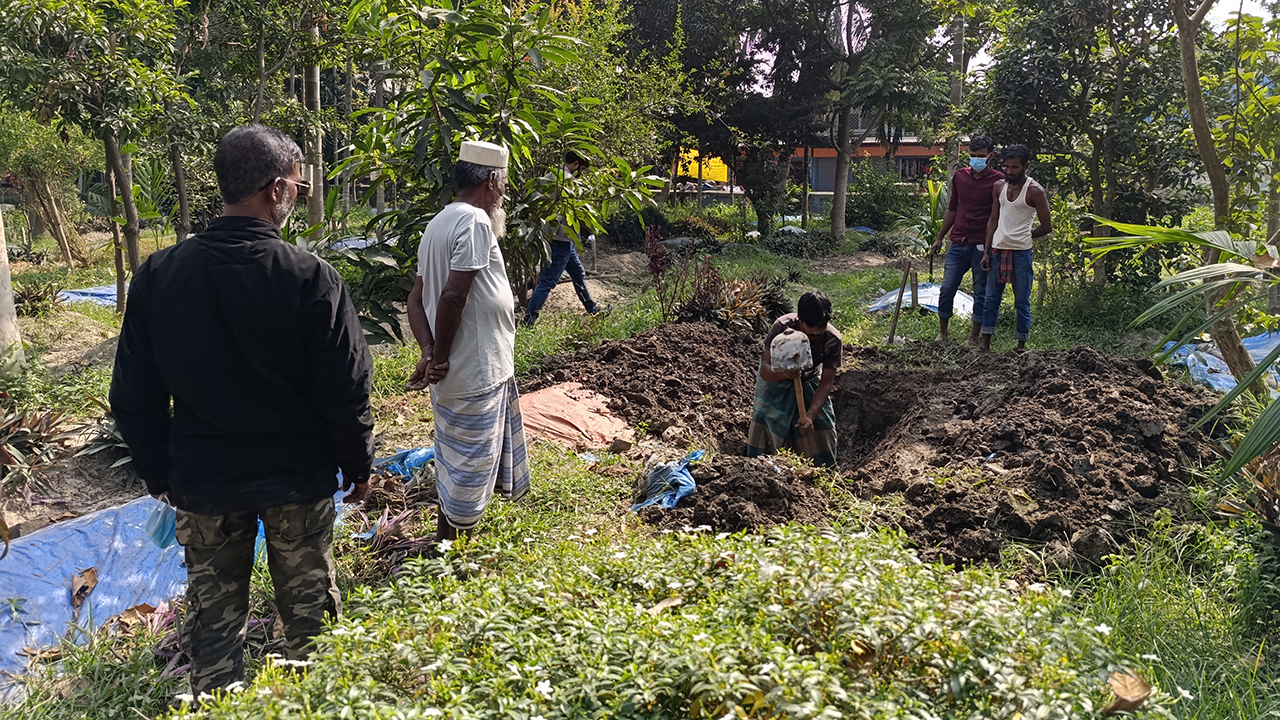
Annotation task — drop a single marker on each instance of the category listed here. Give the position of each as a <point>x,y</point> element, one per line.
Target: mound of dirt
<point>1073,449</point>
<point>737,493</point>
<point>692,381</point>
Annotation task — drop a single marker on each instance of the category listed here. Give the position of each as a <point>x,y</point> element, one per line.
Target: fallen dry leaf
<point>1130,689</point>
<point>38,655</point>
<point>81,585</point>
<point>664,604</point>
<point>4,535</point>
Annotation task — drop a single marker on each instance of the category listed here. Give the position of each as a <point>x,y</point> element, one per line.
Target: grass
<point>1197,604</point>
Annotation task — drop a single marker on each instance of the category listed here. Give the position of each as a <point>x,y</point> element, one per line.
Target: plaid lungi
<point>480,447</point>
<point>773,421</point>
<point>1004,265</point>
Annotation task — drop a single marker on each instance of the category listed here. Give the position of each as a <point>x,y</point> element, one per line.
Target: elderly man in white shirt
<point>462,313</point>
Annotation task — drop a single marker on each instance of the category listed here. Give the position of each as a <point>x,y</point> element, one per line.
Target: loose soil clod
<point>692,376</point>
<point>738,493</point>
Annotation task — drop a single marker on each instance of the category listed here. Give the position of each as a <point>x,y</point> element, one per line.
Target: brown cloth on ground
<point>572,415</point>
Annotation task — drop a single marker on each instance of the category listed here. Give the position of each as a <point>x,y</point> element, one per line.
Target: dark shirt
<point>971,199</point>
<point>259,349</point>
<point>827,348</point>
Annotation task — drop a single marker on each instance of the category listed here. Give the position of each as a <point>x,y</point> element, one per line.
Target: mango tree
<point>471,73</point>
<point>102,65</point>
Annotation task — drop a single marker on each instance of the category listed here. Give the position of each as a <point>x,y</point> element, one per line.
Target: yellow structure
<point>713,168</point>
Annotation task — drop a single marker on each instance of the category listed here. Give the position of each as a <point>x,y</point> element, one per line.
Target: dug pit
<point>1074,450</point>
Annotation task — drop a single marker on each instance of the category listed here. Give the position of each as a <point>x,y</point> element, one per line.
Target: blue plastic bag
<point>406,461</point>
<point>161,525</point>
<point>669,483</point>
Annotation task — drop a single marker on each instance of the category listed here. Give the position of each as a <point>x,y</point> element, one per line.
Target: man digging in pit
<point>462,313</point>
<point>966,223</point>
<point>775,415</point>
<point>256,344</point>
<point>1017,201</point>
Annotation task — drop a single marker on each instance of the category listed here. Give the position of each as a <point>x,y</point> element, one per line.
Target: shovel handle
<point>806,445</point>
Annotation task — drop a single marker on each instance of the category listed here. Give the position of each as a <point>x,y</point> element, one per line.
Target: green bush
<point>625,229</point>
<point>876,199</point>
<point>798,622</point>
<point>693,227</point>
<point>813,244</point>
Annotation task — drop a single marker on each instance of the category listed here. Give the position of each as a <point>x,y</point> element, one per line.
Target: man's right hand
<point>986,261</point>
<point>937,246</point>
<point>418,380</point>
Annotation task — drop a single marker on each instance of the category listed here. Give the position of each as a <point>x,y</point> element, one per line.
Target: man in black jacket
<point>258,348</point>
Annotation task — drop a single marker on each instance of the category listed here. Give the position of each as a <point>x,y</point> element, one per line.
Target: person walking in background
<point>1016,202</point>
<point>966,224</point>
<point>257,346</point>
<point>462,313</point>
<point>564,256</point>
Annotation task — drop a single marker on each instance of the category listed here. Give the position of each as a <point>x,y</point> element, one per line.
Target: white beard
<point>280,213</point>
<point>498,219</point>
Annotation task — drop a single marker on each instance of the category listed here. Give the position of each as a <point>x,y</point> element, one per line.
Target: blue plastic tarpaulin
<point>36,577</point>
<point>353,243</point>
<point>101,295</point>
<point>669,483</point>
<point>929,294</point>
<point>1207,367</point>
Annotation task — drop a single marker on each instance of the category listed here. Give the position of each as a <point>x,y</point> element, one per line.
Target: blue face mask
<point>978,164</point>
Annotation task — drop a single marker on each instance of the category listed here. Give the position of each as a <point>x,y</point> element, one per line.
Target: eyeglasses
<point>304,187</point>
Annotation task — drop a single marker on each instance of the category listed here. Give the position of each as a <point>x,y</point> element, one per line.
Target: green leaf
<point>1245,383</point>
<point>1264,433</point>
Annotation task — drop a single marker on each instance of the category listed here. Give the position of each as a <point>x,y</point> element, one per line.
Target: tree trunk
<point>261,99</point>
<point>11,355</point>
<point>1224,333</point>
<point>804,194</point>
<point>118,248</point>
<point>347,190</point>
<point>124,183</point>
<point>52,217</point>
<point>315,137</point>
<point>841,190</point>
<point>380,195</point>
<point>1098,201</point>
<point>957,89</point>
<point>183,227</point>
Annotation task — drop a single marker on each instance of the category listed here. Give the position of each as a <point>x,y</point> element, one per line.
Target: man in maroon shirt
<point>966,221</point>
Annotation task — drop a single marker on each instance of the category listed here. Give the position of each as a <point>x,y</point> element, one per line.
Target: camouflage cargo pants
<point>219,558</point>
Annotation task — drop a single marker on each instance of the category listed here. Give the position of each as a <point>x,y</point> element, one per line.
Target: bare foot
<point>941,339</point>
<point>1022,346</point>
<point>984,345</point>
<point>972,342</point>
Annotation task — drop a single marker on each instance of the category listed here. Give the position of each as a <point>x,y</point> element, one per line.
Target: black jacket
<point>258,346</point>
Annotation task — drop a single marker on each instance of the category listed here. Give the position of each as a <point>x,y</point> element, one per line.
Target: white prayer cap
<point>483,153</point>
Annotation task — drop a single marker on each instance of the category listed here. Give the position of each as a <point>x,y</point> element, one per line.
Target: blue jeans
<point>563,257</point>
<point>1022,279</point>
<point>960,260</point>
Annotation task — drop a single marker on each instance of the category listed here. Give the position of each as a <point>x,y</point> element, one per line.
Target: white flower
<point>774,608</point>
<point>1037,587</point>
<point>432,712</point>
<point>293,663</point>
<point>729,716</point>
<point>1104,628</point>
<point>700,637</point>
<point>544,688</point>
<point>536,717</point>
<point>1186,695</point>
<point>591,531</point>
<point>1064,592</point>
<point>184,697</point>
<point>445,545</point>
<point>1152,658</point>
<point>264,692</point>
<point>339,632</point>
<point>722,536</point>
<point>236,687</point>
<point>529,540</point>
